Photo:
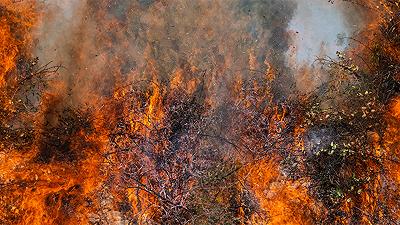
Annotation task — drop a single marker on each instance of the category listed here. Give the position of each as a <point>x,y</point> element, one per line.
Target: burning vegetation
<point>194,125</point>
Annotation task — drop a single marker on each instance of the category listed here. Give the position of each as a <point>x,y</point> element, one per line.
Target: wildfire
<point>15,22</point>
<point>155,121</point>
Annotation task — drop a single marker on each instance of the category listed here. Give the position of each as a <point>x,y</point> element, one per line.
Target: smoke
<point>105,44</point>
<point>320,28</point>
<point>59,36</point>
<point>57,32</point>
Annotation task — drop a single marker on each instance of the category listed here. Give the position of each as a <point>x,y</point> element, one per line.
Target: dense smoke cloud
<point>103,44</point>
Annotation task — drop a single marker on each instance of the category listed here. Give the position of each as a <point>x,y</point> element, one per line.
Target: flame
<point>15,22</point>
<point>154,112</point>
<point>108,165</point>
<point>395,109</point>
<point>286,202</point>
<point>39,193</point>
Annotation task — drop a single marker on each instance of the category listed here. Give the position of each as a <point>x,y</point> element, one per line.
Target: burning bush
<point>174,148</point>
<point>347,119</point>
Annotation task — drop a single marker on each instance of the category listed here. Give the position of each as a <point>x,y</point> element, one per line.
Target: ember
<point>198,112</point>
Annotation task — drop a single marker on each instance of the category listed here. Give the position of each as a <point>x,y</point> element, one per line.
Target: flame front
<point>152,120</point>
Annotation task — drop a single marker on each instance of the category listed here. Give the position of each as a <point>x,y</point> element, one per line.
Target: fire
<point>396,108</point>
<point>285,202</point>
<point>15,22</point>
<point>153,110</point>
<point>155,121</point>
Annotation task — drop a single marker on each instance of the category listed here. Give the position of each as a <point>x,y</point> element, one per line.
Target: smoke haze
<point>108,43</point>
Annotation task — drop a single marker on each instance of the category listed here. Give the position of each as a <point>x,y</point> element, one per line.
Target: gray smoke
<point>104,44</point>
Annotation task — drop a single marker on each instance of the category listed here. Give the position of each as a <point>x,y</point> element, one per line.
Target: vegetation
<point>164,152</point>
